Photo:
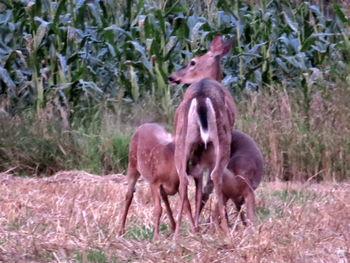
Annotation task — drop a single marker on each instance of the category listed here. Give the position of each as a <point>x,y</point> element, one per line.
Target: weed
<point>296,196</point>
<point>91,256</point>
<point>15,224</point>
<point>163,227</point>
<point>139,232</point>
<point>262,213</point>
<point>92,154</point>
<point>116,154</point>
<point>74,105</point>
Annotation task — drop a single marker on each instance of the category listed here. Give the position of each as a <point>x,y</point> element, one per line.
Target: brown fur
<point>242,176</point>
<point>204,73</point>
<point>151,155</point>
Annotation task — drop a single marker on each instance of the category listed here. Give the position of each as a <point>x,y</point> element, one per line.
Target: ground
<point>73,217</point>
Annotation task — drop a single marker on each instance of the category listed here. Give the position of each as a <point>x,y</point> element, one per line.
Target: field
<point>73,217</point>
<point>76,79</point>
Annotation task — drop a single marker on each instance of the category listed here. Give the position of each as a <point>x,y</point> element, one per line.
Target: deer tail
<point>206,114</point>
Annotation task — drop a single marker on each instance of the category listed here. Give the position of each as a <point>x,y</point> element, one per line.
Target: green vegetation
<point>76,78</point>
<point>92,256</point>
<point>140,232</point>
<point>283,199</point>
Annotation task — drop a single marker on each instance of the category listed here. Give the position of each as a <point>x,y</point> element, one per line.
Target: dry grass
<point>72,217</point>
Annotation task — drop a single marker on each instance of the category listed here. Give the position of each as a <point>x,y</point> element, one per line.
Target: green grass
<point>144,232</point>
<point>92,256</point>
<point>296,196</point>
<point>277,203</point>
<point>95,256</point>
<point>295,145</point>
<point>139,232</point>
<point>262,213</point>
<point>77,77</point>
<point>16,224</point>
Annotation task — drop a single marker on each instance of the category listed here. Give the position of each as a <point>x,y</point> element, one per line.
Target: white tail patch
<point>164,137</point>
<point>210,116</point>
<point>192,110</point>
<point>204,134</point>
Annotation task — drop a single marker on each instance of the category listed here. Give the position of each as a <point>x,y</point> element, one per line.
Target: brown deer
<point>242,176</point>
<point>151,155</point>
<point>205,117</point>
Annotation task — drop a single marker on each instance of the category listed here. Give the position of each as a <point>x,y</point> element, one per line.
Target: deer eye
<point>192,63</point>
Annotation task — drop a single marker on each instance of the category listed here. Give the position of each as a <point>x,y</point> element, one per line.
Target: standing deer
<point>151,155</point>
<point>242,176</point>
<point>205,117</point>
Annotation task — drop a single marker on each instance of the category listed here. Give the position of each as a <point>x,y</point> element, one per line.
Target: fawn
<point>151,155</point>
<point>242,176</point>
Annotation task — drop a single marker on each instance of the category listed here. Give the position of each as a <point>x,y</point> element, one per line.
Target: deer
<point>203,119</point>
<point>243,175</point>
<point>151,155</point>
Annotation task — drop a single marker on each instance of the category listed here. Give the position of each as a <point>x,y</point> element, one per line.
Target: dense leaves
<point>76,53</point>
<point>84,73</point>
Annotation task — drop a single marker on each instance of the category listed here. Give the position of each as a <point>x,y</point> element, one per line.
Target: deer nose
<point>173,80</point>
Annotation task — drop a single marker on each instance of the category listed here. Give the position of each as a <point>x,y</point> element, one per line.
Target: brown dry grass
<point>72,217</point>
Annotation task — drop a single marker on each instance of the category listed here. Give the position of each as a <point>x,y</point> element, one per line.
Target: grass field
<point>73,217</point>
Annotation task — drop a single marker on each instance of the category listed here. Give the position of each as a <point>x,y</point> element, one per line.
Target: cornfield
<point>77,75</point>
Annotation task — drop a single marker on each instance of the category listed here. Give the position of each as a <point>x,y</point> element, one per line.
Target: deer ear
<point>216,45</point>
<point>227,47</point>
<point>220,47</point>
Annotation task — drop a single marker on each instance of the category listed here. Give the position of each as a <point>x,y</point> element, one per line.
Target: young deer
<point>205,116</point>
<point>242,176</point>
<point>151,155</point>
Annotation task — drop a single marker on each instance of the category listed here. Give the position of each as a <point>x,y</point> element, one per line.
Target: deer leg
<point>216,212</point>
<point>208,189</point>
<point>183,196</point>
<point>168,209</point>
<point>183,200</point>
<point>250,205</point>
<point>183,178</point>
<point>199,193</point>
<point>238,204</point>
<point>217,175</point>
<point>133,175</point>
<point>197,174</point>
<point>157,211</point>
<point>190,217</point>
<point>184,204</point>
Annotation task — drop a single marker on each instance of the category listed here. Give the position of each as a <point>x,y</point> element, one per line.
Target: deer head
<point>204,66</point>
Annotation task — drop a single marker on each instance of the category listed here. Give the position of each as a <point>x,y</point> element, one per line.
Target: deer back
<point>152,153</point>
<point>246,158</point>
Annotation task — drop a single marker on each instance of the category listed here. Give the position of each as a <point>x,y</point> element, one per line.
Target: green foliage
<point>92,156</point>
<point>262,213</point>
<point>92,256</point>
<point>76,53</point>
<point>139,232</point>
<point>30,147</point>
<point>300,196</point>
<point>277,203</point>
<point>299,145</point>
<point>67,63</point>
<point>119,151</point>
<point>16,224</point>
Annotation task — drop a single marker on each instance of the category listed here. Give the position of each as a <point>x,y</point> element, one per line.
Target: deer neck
<point>216,73</point>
